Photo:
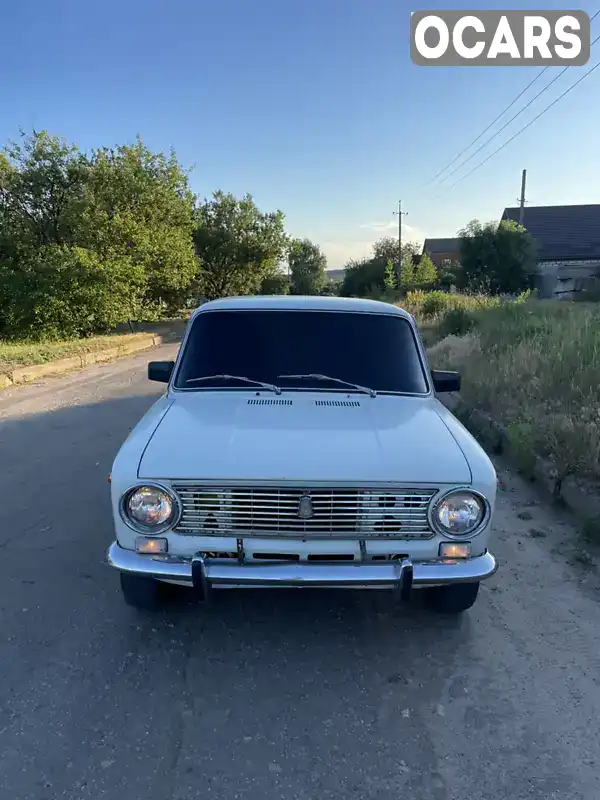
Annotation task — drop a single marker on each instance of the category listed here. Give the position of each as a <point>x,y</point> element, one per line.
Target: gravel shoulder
<point>273,695</point>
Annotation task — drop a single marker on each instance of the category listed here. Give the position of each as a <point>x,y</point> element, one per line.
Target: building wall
<point>566,278</point>
<point>439,258</point>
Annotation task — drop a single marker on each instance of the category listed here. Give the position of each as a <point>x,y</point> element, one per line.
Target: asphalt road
<point>271,695</point>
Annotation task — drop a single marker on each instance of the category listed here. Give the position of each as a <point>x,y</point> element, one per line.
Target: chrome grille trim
<point>267,512</point>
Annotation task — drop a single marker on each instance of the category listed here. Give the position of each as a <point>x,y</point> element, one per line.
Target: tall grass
<point>536,367</point>
<point>432,307</point>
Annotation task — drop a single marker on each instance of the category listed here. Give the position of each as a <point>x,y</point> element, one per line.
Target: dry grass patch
<point>455,349</point>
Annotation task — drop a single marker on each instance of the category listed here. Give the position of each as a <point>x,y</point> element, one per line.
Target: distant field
<point>335,274</point>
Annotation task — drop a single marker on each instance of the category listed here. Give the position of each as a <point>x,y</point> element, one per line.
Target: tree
<point>386,249</point>
<point>408,265</point>
<point>425,273</point>
<point>307,267</point>
<point>362,277</point>
<point>42,185</point>
<point>237,245</point>
<point>517,259</point>
<point>331,288</point>
<point>89,240</point>
<point>389,277</point>
<point>68,292</point>
<point>140,208</point>
<point>450,275</point>
<point>277,283</point>
<point>407,271</point>
<point>497,259</point>
<point>372,275</point>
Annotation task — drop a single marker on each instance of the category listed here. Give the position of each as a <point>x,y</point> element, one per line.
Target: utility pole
<point>400,214</point>
<point>522,201</point>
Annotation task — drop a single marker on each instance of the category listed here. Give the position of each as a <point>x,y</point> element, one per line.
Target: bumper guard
<point>203,573</point>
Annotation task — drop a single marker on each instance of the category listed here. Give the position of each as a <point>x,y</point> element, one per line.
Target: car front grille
<point>296,512</point>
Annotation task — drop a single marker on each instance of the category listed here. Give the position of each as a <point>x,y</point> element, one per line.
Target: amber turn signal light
<point>455,549</point>
<point>144,545</point>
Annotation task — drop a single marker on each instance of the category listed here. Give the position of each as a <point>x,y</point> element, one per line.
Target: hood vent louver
<point>345,403</point>
<point>265,402</point>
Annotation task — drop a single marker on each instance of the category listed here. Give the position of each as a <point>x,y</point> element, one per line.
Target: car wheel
<point>140,592</point>
<point>452,599</point>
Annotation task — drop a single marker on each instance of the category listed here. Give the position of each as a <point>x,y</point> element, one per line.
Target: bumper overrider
<point>202,572</point>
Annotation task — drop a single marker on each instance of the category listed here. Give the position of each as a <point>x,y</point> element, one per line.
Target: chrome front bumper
<point>203,573</point>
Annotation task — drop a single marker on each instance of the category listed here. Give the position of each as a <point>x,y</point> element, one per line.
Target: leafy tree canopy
<point>307,267</point>
<point>373,275</point>
<point>90,240</point>
<point>237,245</point>
<point>496,259</point>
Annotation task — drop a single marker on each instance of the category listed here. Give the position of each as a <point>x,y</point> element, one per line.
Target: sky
<point>312,106</point>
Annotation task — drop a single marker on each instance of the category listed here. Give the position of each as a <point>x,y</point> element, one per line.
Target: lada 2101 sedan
<point>300,443</point>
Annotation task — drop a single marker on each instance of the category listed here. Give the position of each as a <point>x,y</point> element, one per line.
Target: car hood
<point>304,437</point>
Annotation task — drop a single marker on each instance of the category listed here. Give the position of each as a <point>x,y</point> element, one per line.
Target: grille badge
<point>272,511</point>
<point>305,507</point>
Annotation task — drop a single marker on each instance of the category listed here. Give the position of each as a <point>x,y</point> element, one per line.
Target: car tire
<point>140,592</point>
<point>452,599</point>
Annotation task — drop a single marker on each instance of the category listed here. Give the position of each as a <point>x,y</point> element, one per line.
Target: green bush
<point>68,292</point>
<point>88,241</point>
<point>435,303</point>
<point>457,322</point>
<point>433,306</point>
<point>277,283</point>
<point>391,296</point>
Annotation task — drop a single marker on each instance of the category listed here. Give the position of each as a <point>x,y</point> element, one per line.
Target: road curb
<point>583,504</point>
<point>64,366</point>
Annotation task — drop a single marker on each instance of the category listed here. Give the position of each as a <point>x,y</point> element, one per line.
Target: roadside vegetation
<point>23,354</point>
<point>535,367</point>
<point>91,242</point>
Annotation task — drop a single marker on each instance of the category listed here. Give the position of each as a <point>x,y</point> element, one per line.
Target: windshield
<point>370,350</point>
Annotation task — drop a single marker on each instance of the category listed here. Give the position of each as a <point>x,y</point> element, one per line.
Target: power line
<point>502,113</point>
<point>491,125</point>
<point>513,119</point>
<point>524,128</point>
<point>506,124</point>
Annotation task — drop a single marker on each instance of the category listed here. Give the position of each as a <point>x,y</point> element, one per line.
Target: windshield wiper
<point>317,377</point>
<point>270,386</point>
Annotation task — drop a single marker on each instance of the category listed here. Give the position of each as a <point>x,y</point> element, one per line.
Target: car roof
<point>302,303</point>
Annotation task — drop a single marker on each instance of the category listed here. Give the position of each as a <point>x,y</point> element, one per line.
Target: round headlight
<point>459,513</point>
<point>148,508</point>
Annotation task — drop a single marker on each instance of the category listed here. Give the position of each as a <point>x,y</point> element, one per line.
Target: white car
<point>300,444</point>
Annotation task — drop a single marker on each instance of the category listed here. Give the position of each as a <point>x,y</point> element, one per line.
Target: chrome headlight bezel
<point>152,530</point>
<point>438,528</point>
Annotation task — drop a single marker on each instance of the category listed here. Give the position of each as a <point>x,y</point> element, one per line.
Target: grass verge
<point>24,354</point>
<point>15,354</point>
<point>535,367</point>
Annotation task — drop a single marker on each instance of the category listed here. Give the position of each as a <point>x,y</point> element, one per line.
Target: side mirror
<point>160,371</point>
<point>445,381</point>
